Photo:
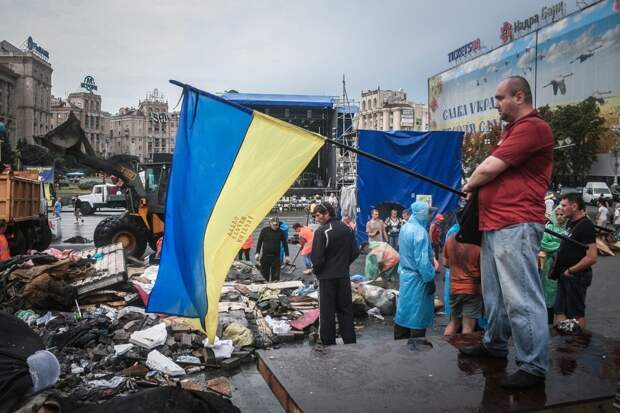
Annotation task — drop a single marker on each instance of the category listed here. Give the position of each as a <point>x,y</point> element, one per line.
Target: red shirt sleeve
<point>522,142</point>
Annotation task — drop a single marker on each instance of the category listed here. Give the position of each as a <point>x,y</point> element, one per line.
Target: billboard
<point>565,62</point>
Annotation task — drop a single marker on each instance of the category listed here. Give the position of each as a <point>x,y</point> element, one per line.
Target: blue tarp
<point>433,154</point>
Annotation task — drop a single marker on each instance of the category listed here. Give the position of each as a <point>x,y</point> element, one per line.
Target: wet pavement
<point>69,228</point>
<point>430,375</point>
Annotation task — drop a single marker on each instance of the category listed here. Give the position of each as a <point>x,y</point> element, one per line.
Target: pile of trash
<point>105,352</point>
<point>88,307</point>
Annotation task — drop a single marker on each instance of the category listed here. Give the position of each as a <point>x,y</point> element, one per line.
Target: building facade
<point>390,110</point>
<point>32,91</point>
<point>144,131</point>
<point>8,108</point>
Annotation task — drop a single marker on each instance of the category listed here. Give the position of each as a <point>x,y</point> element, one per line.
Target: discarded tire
<point>127,229</point>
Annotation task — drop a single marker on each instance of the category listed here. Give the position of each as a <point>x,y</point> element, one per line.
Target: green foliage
<point>582,126</point>
<point>34,155</point>
<point>476,147</point>
<point>9,156</point>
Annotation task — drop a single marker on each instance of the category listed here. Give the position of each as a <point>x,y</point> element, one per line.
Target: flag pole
<point>431,181</point>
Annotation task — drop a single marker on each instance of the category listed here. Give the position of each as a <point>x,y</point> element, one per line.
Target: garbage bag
<point>241,336</point>
<point>17,343</point>
<point>387,302</point>
<point>379,297</point>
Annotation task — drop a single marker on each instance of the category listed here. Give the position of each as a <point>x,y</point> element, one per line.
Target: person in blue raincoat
<point>454,229</point>
<point>415,309</point>
<point>283,228</point>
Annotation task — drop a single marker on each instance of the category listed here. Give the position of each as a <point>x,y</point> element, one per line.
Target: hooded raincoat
<point>550,245</point>
<point>415,308</point>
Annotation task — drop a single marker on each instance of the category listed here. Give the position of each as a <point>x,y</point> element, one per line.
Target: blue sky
<point>270,46</point>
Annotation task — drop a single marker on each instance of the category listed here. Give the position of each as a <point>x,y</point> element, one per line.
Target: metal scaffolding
<point>346,133</point>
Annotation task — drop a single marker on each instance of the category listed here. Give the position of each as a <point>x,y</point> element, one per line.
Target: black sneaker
<point>478,351</point>
<point>521,380</point>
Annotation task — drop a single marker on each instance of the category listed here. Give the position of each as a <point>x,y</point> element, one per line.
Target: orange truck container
<point>22,208</point>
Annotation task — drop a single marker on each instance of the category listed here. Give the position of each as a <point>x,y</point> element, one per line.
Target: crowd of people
<point>517,282</point>
<point>514,283</point>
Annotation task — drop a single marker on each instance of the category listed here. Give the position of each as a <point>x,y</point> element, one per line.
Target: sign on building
<point>89,84</point>
<point>464,51</point>
<point>158,117</point>
<point>37,49</point>
<point>547,15</point>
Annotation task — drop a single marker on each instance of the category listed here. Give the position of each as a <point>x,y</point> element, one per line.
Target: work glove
<point>257,257</point>
<point>429,288</point>
<point>287,260</point>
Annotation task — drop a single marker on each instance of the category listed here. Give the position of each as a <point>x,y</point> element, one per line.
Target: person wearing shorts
<point>465,293</point>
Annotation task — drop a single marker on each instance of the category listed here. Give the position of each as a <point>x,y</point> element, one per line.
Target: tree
<point>8,155</point>
<point>476,147</point>
<point>34,155</point>
<point>582,126</point>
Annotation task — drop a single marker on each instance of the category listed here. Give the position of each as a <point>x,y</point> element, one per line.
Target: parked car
<point>593,191</point>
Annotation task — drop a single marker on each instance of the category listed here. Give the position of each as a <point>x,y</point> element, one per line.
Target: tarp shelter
<point>433,154</point>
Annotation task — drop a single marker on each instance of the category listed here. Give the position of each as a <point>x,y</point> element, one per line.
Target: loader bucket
<point>66,138</point>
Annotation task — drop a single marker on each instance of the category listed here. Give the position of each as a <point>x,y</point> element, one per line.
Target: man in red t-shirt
<point>511,185</point>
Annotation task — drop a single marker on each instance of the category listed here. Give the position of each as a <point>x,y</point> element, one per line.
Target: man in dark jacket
<point>269,241</point>
<point>333,250</point>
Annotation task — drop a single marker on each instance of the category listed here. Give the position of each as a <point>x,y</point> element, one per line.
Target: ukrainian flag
<point>230,166</point>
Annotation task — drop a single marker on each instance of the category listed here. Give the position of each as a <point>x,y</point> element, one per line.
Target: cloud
<point>526,60</point>
<point>569,48</point>
<point>611,38</point>
<point>546,33</point>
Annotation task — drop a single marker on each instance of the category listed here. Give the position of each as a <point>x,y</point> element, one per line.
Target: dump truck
<point>23,206</point>
<point>143,222</point>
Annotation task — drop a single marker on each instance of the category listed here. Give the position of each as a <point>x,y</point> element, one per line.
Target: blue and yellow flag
<point>230,166</point>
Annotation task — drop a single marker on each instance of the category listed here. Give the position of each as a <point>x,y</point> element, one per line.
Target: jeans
<point>393,241</point>
<point>513,296</point>
<point>307,262</point>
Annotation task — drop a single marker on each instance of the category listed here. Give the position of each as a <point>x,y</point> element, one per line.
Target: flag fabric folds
<point>230,166</point>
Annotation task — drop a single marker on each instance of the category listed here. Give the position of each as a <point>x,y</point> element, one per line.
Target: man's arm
<point>355,251</point>
<point>317,256</point>
<point>259,244</point>
<point>586,262</point>
<point>487,171</point>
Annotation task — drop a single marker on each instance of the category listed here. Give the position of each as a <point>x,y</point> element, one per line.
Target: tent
<point>433,154</point>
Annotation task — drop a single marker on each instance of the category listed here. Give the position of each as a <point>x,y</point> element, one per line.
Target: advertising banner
<point>565,62</point>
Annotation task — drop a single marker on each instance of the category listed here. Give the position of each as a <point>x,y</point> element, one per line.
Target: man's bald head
<point>513,98</point>
<point>518,84</point>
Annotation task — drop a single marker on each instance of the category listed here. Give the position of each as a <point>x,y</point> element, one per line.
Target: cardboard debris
<point>157,361</point>
<point>121,349</point>
<point>151,337</point>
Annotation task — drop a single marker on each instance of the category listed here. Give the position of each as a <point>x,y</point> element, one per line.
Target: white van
<point>593,191</point>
